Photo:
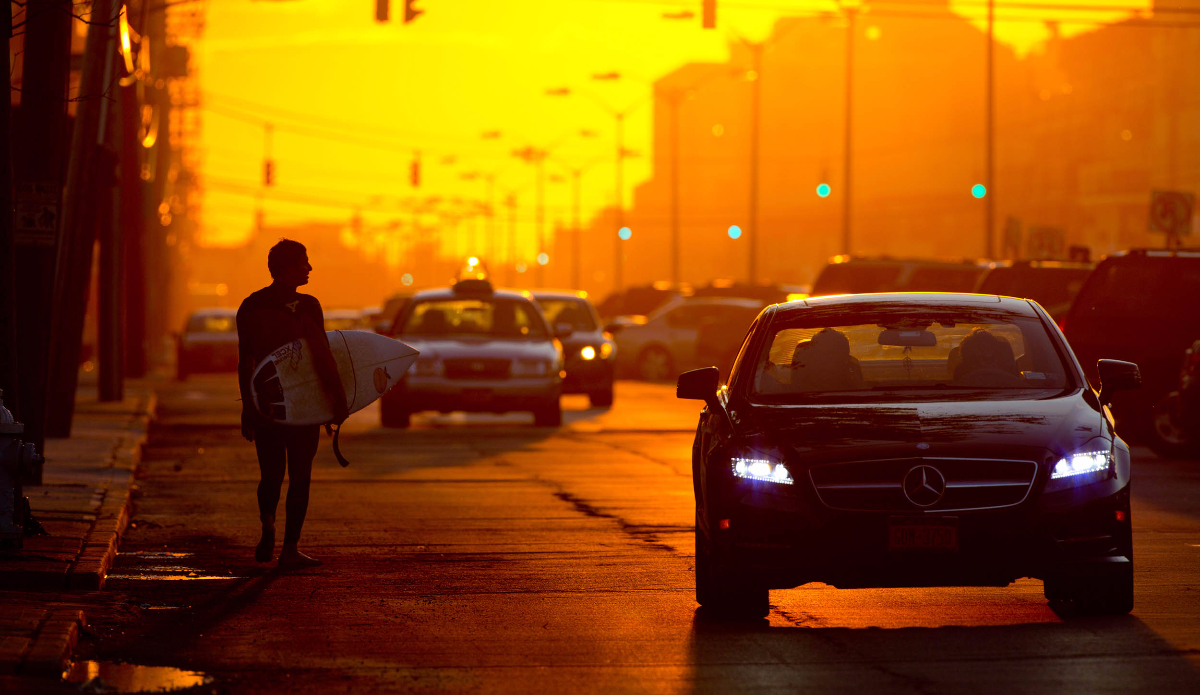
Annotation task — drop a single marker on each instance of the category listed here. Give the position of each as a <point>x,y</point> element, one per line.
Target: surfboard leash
<point>337,451</point>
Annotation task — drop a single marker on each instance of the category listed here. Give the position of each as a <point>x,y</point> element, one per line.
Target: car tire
<point>392,414</point>
<point>181,371</point>
<point>1168,437</point>
<point>602,399</point>
<point>655,364</point>
<point>1090,596</point>
<point>548,416</point>
<point>722,594</point>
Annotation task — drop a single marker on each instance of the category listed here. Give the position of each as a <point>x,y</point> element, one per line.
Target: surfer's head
<point>288,263</point>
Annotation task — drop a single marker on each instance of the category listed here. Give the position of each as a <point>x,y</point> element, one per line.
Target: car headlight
<point>427,366</point>
<point>531,368</point>
<point>1080,463</point>
<point>588,352</point>
<point>606,350</point>
<point>761,469</point>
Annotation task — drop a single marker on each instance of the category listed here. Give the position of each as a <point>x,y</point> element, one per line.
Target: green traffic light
<point>979,190</point>
<point>823,190</point>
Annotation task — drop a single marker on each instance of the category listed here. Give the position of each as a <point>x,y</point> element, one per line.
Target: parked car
<point>1177,415</point>
<point>767,294</point>
<point>855,275</point>
<point>910,440</point>
<point>638,301</point>
<point>1053,284</point>
<point>1141,306</point>
<point>391,309</point>
<point>482,350</point>
<point>589,354</point>
<point>345,320</point>
<point>668,342</point>
<point>208,343</point>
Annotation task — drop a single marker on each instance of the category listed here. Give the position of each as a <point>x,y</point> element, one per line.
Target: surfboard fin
<point>337,452</point>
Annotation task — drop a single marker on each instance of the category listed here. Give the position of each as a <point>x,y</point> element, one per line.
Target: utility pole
<point>41,143</point>
<point>989,192</point>
<point>73,272</point>
<point>8,267</point>
<point>541,218</point>
<point>512,239</point>
<point>576,259</point>
<point>673,101</point>
<point>847,147</point>
<point>133,225</point>
<point>756,50</point>
<point>618,250</point>
<point>493,248</point>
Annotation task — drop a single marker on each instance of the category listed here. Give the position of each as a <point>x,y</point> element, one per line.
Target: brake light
<point>1062,324</point>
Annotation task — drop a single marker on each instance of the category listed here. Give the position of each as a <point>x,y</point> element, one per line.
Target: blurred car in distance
<point>859,275</point>
<point>669,340</point>
<point>391,309</point>
<point>1141,306</point>
<point>483,350</point>
<point>1053,284</point>
<point>589,354</point>
<point>638,301</point>
<point>767,294</point>
<point>1177,415</point>
<point>345,320</point>
<point>208,343</point>
<point>909,440</point>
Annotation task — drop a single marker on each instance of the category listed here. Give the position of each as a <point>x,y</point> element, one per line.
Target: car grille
<point>467,368</point>
<point>878,486</point>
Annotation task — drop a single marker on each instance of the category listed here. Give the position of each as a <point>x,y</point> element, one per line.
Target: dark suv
<point>1142,306</point>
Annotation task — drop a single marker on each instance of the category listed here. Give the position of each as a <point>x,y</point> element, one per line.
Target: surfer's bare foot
<point>266,547</point>
<point>291,558</point>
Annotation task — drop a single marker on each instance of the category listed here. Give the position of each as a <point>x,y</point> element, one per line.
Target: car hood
<point>975,429</point>
<point>578,339</point>
<point>482,348</point>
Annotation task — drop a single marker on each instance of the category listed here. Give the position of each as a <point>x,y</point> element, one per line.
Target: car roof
<point>559,294</point>
<point>215,311</point>
<point>449,293</point>
<point>889,260</point>
<point>939,299</point>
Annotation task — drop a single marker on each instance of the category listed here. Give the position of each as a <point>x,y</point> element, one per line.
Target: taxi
<point>483,350</point>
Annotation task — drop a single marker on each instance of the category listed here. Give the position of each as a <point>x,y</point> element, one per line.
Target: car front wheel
<point>720,591</point>
<point>602,399</point>
<point>549,415</point>
<point>1171,436</point>
<point>1084,596</point>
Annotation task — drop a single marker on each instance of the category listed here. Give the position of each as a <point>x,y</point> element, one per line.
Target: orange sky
<point>325,67</point>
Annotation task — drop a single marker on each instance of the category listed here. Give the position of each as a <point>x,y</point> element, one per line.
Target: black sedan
<point>590,355</point>
<point>910,439</point>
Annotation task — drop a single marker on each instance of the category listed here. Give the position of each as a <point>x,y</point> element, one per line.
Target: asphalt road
<point>483,554</point>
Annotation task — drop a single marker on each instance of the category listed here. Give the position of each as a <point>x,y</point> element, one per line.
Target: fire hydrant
<point>18,460</point>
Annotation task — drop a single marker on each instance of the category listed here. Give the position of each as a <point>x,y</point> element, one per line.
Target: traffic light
<point>382,10</point>
<point>414,172</point>
<point>823,190</point>
<point>268,172</point>
<point>708,14</point>
<point>410,12</point>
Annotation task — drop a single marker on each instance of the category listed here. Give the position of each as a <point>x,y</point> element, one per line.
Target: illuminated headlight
<point>588,353</point>
<point>531,368</point>
<point>427,366</point>
<point>606,350</point>
<point>762,469</point>
<point>1080,463</point>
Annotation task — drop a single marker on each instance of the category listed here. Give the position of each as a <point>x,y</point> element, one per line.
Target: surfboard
<point>287,390</point>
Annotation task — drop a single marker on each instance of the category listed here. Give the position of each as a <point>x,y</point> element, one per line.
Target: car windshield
<point>575,312</point>
<point>343,323</point>
<point>212,324</point>
<point>905,348</point>
<point>491,317</point>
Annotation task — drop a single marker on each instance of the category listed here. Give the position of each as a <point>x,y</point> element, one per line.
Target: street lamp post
<point>847,148</point>
<point>756,51</point>
<point>619,208</point>
<point>988,194</point>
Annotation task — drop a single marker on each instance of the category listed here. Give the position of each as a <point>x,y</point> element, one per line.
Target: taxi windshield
<point>490,317</point>
<point>906,349</point>
<point>571,311</point>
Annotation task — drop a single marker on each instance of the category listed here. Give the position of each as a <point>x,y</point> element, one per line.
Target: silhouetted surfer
<point>268,319</point>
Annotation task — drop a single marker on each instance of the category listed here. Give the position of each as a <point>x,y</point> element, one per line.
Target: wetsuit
<point>267,320</point>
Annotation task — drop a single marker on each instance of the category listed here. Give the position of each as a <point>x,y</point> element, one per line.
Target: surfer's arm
<point>323,361</point>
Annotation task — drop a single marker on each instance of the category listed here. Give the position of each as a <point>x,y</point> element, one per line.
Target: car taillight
<point>1062,324</point>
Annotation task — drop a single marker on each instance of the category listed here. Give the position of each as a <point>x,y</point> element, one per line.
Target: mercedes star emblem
<point>924,486</point>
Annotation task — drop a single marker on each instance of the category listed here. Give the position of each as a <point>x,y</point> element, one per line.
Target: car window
<point>343,323</point>
<point>1139,287</point>
<point>495,318</point>
<point>856,278</point>
<point>573,311</point>
<point>1046,286</point>
<point>212,324</point>
<point>689,315</point>
<point>906,351</point>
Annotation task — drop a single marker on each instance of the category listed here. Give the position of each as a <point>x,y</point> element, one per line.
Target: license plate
<point>923,534</point>
<point>477,395</point>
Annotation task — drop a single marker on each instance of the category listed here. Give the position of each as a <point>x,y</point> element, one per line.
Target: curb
<point>90,569</point>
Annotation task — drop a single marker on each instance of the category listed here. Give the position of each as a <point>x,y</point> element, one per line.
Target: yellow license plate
<point>923,534</point>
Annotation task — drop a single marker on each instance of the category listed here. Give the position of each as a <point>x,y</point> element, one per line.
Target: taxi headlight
<point>606,350</point>
<point>531,368</point>
<point>427,366</point>
<point>588,352</point>
<point>761,469</point>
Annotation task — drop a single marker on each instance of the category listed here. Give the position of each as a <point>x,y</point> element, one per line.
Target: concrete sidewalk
<point>84,504</point>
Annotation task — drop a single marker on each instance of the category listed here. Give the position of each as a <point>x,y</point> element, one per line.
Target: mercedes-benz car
<point>910,439</point>
<point>482,350</point>
<point>590,354</point>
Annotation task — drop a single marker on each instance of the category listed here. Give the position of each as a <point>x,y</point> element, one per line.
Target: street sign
<point>1171,212</point>
<point>37,209</point>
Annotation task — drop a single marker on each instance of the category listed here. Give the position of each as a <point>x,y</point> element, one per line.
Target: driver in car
<point>983,359</point>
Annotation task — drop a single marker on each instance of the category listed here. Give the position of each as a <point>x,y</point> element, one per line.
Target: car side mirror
<point>699,384</point>
<point>563,330</point>
<point>1116,375</point>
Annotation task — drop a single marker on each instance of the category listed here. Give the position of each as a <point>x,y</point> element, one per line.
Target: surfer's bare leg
<point>301,449</point>
<point>272,462</point>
